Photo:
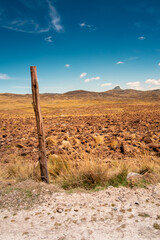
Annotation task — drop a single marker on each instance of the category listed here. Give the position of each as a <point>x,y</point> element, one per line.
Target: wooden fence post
<point>39,121</point>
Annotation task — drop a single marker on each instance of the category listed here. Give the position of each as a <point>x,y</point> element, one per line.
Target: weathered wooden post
<point>40,131</point>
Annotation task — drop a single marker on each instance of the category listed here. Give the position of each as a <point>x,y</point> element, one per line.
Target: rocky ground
<point>30,210</point>
<point>102,136</point>
<point>36,211</point>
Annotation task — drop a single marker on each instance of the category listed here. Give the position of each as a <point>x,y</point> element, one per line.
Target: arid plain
<point>93,140</point>
<point>120,125</point>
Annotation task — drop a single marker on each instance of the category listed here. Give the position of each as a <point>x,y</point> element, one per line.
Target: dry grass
<point>19,169</point>
<point>88,173</point>
<point>60,106</point>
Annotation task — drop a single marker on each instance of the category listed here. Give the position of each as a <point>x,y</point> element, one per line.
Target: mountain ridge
<point>116,93</point>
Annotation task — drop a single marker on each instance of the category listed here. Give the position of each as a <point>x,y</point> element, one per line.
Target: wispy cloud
<point>83,75</point>
<point>91,79</point>
<point>89,26</point>
<point>31,17</point>
<point>26,26</point>
<point>134,85</point>
<point>119,62</point>
<point>67,65</point>
<point>106,84</point>
<point>14,28</point>
<point>4,76</point>
<point>153,82</point>
<point>55,18</point>
<point>142,38</point>
<point>159,64</point>
<point>48,39</point>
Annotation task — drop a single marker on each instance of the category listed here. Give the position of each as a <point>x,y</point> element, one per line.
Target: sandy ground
<point>114,213</point>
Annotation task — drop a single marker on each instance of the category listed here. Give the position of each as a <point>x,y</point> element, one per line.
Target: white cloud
<point>141,38</point>
<point>106,84</point>
<point>48,39</point>
<point>134,85</point>
<point>4,76</point>
<point>55,18</point>
<point>159,64</point>
<point>153,82</point>
<point>26,20</point>
<point>91,79</point>
<point>119,62</point>
<point>27,24</point>
<point>151,88</point>
<point>82,24</point>
<point>83,75</point>
<point>67,65</point>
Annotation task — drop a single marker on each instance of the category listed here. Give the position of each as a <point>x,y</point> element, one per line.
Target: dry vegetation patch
<point>89,143</point>
<point>88,173</point>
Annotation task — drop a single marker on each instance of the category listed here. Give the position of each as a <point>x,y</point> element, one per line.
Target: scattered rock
<point>134,178</point>
<point>133,174</point>
<point>156,226</point>
<point>59,210</point>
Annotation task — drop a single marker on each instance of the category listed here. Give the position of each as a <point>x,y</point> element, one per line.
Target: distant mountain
<point>117,93</point>
<point>117,88</point>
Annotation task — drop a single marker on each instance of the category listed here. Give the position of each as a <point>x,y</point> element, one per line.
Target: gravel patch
<point>114,213</point>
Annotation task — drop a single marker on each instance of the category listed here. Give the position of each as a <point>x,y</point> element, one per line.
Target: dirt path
<point>114,213</point>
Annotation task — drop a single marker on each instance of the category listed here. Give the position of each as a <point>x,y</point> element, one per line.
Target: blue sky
<point>84,44</point>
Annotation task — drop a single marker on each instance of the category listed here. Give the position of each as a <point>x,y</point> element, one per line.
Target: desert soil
<point>46,212</point>
<point>102,136</point>
<point>114,129</point>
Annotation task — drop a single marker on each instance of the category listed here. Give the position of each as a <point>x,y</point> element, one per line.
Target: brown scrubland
<point>92,139</point>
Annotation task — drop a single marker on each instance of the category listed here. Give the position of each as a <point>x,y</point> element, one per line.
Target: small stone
<point>115,209</point>
<point>59,210</point>
<point>156,226</point>
<point>134,178</point>
<point>132,174</point>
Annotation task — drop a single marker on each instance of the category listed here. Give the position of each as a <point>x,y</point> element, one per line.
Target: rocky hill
<point>116,93</point>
